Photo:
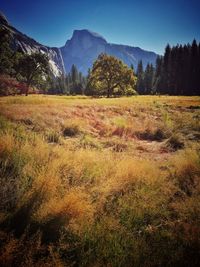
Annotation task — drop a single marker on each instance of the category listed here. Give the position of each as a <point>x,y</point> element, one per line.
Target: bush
<point>152,135</point>
<point>10,86</point>
<point>175,142</point>
<point>71,130</point>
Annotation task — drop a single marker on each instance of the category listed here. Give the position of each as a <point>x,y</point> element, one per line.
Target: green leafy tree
<point>6,53</point>
<point>32,69</point>
<point>109,76</point>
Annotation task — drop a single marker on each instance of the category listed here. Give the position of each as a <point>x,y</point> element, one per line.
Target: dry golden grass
<point>99,182</point>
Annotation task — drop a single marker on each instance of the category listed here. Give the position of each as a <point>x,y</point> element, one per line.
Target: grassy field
<point>100,182</point>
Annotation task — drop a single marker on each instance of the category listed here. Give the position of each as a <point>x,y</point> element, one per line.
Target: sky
<point>146,24</point>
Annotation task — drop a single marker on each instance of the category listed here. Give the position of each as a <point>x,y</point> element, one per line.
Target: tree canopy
<point>32,69</point>
<point>6,53</point>
<point>175,73</point>
<point>109,76</point>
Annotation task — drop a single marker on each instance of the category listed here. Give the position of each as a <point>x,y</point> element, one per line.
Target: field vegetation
<point>99,182</point>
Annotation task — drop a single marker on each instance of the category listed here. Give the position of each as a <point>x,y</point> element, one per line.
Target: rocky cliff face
<point>82,49</point>
<point>29,45</point>
<point>85,46</point>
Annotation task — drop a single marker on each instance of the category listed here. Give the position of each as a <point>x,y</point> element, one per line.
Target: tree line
<point>72,83</point>
<point>109,76</point>
<point>175,73</point>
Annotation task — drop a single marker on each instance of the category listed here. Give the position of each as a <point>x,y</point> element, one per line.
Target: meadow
<point>100,182</point>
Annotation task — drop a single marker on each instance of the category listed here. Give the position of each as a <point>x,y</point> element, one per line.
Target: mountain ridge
<point>82,49</point>
<point>90,44</point>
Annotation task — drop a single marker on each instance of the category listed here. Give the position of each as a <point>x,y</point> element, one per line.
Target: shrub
<point>152,135</point>
<point>71,130</point>
<point>10,86</point>
<point>175,142</point>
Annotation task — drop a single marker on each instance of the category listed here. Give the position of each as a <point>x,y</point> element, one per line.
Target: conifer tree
<point>148,79</point>
<point>140,78</point>
<point>158,78</point>
<point>178,71</point>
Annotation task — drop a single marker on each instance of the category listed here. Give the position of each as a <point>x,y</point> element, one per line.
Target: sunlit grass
<point>99,182</point>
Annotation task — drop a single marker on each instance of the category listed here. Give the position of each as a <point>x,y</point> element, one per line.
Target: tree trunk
<point>108,93</point>
<point>27,89</point>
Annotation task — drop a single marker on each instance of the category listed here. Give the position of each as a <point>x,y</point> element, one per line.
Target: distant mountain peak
<point>85,46</point>
<point>88,33</point>
<point>82,49</point>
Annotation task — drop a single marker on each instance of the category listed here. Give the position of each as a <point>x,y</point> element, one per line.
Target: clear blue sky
<point>147,24</point>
